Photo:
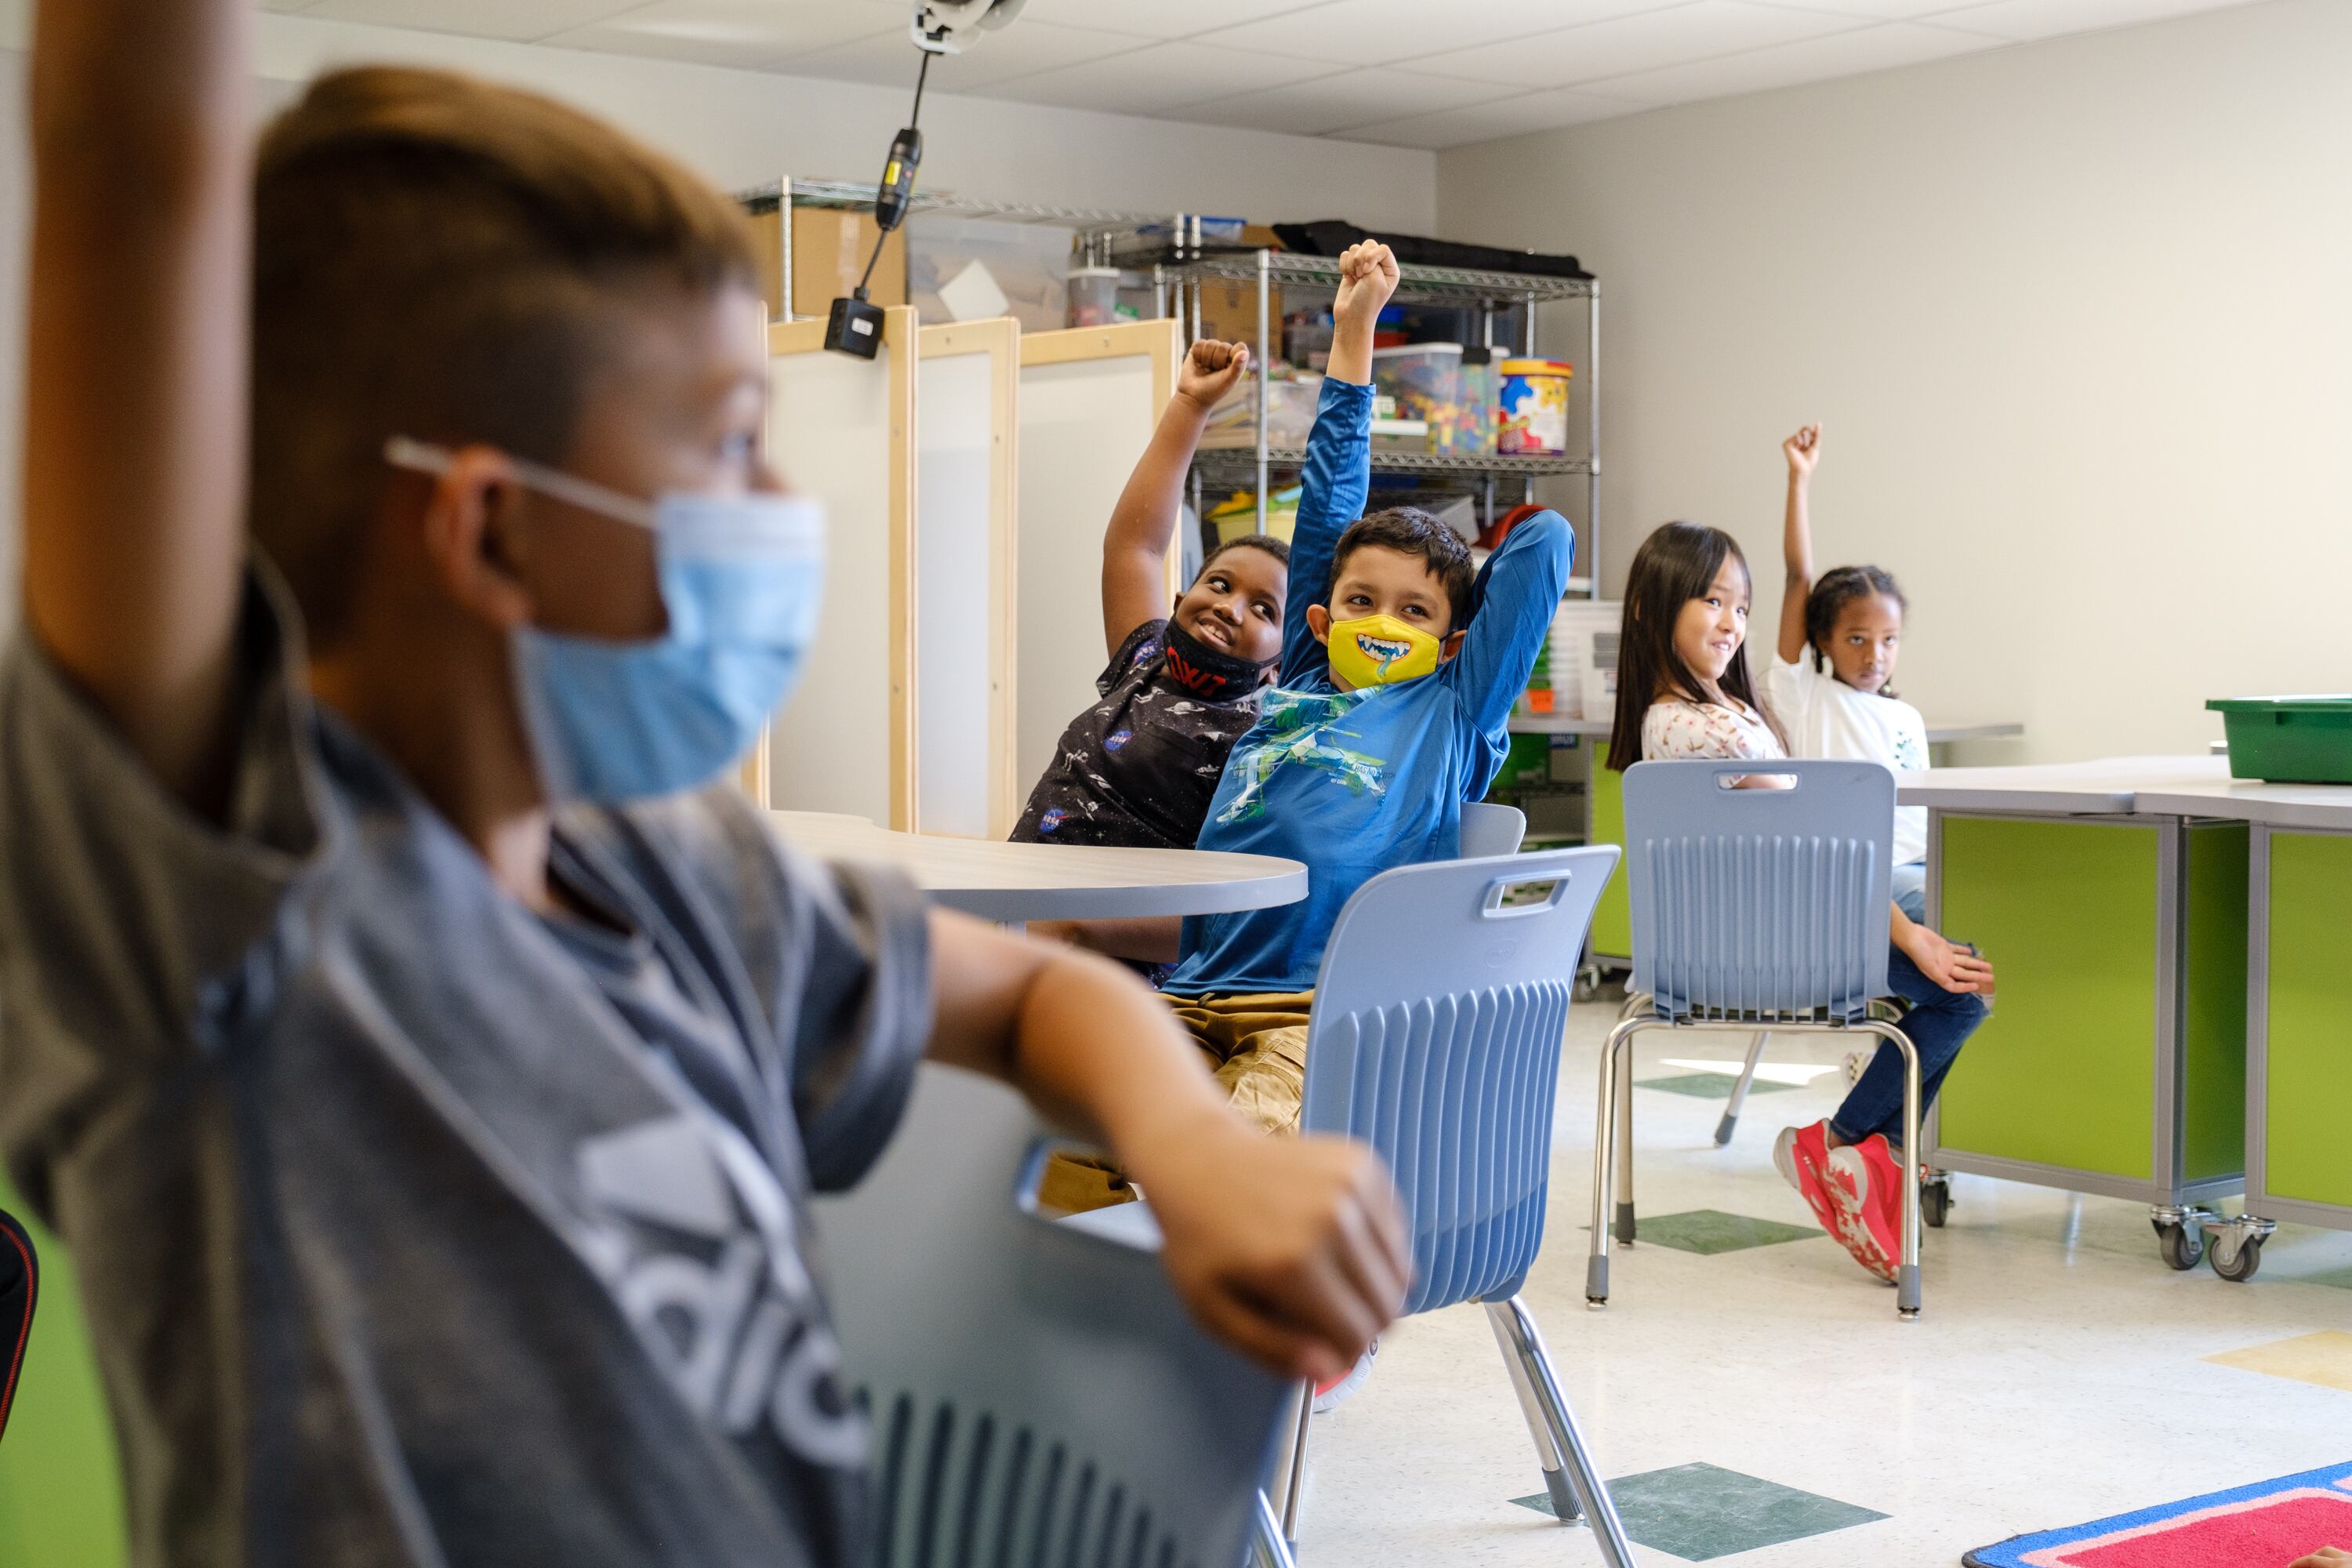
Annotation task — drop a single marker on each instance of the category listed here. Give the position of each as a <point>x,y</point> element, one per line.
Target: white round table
<point>1017,882</point>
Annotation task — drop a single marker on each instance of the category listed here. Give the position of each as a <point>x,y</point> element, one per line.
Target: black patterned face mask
<point>1210,674</point>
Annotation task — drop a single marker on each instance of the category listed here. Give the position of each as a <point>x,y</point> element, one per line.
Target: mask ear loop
<point>418,456</point>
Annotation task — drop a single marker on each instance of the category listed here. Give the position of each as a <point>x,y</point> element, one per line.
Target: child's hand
<point>1292,1250</point>
<point>1210,371</point>
<point>2326,1557</point>
<point>1950,965</point>
<point>1803,449</point>
<point>1368,276</point>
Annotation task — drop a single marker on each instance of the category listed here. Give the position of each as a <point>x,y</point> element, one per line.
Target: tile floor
<point>1766,1407</point>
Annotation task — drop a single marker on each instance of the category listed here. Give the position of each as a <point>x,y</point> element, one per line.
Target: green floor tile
<point>1708,1085</point>
<point>1709,1231</point>
<point>1699,1512</point>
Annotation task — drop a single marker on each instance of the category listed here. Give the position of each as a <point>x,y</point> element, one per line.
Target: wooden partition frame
<point>1058,584</point>
<point>999,341</point>
<point>854,669</point>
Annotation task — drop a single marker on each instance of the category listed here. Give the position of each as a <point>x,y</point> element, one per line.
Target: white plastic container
<point>1094,296</point>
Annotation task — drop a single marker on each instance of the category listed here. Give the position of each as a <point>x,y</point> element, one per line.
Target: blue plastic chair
<point>1037,1392</point>
<point>1489,827</point>
<point>1754,910</point>
<point>1435,1038</point>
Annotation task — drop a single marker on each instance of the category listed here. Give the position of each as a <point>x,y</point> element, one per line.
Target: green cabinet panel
<point>61,1488</point>
<point>2213,1004</point>
<point>1612,919</point>
<point>2063,1073</point>
<point>2308,1054</point>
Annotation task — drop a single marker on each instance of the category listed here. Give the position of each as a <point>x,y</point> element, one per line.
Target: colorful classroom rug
<point>2267,1525</point>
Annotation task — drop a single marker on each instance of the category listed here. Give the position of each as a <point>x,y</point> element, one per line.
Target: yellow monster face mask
<point>1381,651</point>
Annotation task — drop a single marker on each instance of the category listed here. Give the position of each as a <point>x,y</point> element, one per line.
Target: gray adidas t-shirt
<point>414,1229</point>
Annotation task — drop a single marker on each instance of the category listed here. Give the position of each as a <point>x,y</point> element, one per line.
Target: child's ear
<point>474,537</point>
<point>1318,621</point>
<point>1451,645</point>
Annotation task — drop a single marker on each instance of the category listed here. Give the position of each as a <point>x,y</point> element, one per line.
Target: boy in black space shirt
<point>1137,769</point>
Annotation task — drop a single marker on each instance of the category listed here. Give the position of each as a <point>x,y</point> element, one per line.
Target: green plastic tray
<point>2288,740</point>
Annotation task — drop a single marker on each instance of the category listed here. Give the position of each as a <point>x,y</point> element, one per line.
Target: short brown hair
<point>445,259</point>
<point>1410,530</point>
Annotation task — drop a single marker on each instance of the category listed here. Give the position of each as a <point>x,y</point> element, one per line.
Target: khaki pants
<point>1257,1046</point>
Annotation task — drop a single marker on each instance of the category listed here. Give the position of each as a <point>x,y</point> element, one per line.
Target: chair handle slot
<point>1508,898</point>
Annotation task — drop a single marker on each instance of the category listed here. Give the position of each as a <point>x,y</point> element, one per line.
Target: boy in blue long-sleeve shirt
<point>1389,714</point>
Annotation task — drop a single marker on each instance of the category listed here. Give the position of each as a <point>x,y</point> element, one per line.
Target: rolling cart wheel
<point>2182,1246</point>
<point>1588,983</point>
<point>2235,1259</point>
<point>1935,1202</point>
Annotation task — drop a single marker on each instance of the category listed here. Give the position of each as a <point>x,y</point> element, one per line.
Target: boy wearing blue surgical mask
<point>427,1057</point>
<point>1389,713</point>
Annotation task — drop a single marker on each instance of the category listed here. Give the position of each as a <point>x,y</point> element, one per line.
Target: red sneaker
<point>1803,1154</point>
<point>1866,1185</point>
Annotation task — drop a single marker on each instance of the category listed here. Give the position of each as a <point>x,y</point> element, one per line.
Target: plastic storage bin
<point>1094,296</point>
<point>1533,419</point>
<point>1424,381</point>
<point>1290,404</point>
<point>2288,740</point>
<point>1237,517</point>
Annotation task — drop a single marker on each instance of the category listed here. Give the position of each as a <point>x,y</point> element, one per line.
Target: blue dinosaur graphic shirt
<point>1352,784</point>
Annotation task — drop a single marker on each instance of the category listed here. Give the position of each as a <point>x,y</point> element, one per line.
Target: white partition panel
<point>966,384</point>
<point>1089,399</point>
<point>843,430</point>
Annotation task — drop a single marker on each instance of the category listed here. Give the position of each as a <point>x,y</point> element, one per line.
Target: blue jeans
<point>1939,1024</point>
<point>1910,882</point>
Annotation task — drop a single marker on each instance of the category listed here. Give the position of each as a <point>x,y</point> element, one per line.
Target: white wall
<point>741,129</point>
<point>2077,316</point>
<point>745,128</point>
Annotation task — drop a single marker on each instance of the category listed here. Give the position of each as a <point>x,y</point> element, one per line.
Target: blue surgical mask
<point>741,578</point>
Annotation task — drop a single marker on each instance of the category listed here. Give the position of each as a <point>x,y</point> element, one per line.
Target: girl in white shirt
<point>1684,691</point>
<point>1828,685</point>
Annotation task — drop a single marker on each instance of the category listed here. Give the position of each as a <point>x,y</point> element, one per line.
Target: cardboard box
<point>1229,314</point>
<point>829,251</point>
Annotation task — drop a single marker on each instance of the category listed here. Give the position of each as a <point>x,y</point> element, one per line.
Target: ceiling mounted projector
<point>950,27</point>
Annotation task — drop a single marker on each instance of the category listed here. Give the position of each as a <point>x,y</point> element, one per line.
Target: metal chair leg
<point>1608,1159</point>
<point>1906,1275</point>
<point>1621,1222</point>
<point>1723,1129</point>
<point>1564,1505</point>
<point>1515,1326</point>
<point>1294,1490</point>
<point>1267,1548</point>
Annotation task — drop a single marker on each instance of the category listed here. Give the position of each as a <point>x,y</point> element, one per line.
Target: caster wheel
<point>2182,1246</point>
<point>1935,1202</point>
<point>2234,1259</point>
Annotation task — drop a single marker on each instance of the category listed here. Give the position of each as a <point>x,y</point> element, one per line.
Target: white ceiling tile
<point>2020,20</point>
<point>1162,77</point>
<point>1160,18</point>
<point>1383,32</point>
<point>1336,102</point>
<point>748,34</point>
<point>1870,10</point>
<point>1022,49</point>
<point>1622,44</point>
<point>1546,111</point>
<point>517,20</point>
<point>1810,60</point>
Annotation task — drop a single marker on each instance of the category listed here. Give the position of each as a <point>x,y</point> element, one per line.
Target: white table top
<point>1002,882</point>
<point>2111,786</point>
<point>2250,800</point>
<point>1598,729</point>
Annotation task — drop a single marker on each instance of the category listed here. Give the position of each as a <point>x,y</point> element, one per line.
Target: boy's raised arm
<point>1802,449</point>
<point>1338,476</point>
<point>1524,582</point>
<point>135,444</point>
<point>1143,524</point>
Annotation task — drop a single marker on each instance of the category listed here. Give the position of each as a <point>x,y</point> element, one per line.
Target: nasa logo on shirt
<point>1052,818</point>
<point>697,1249</point>
<point>1116,738</point>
